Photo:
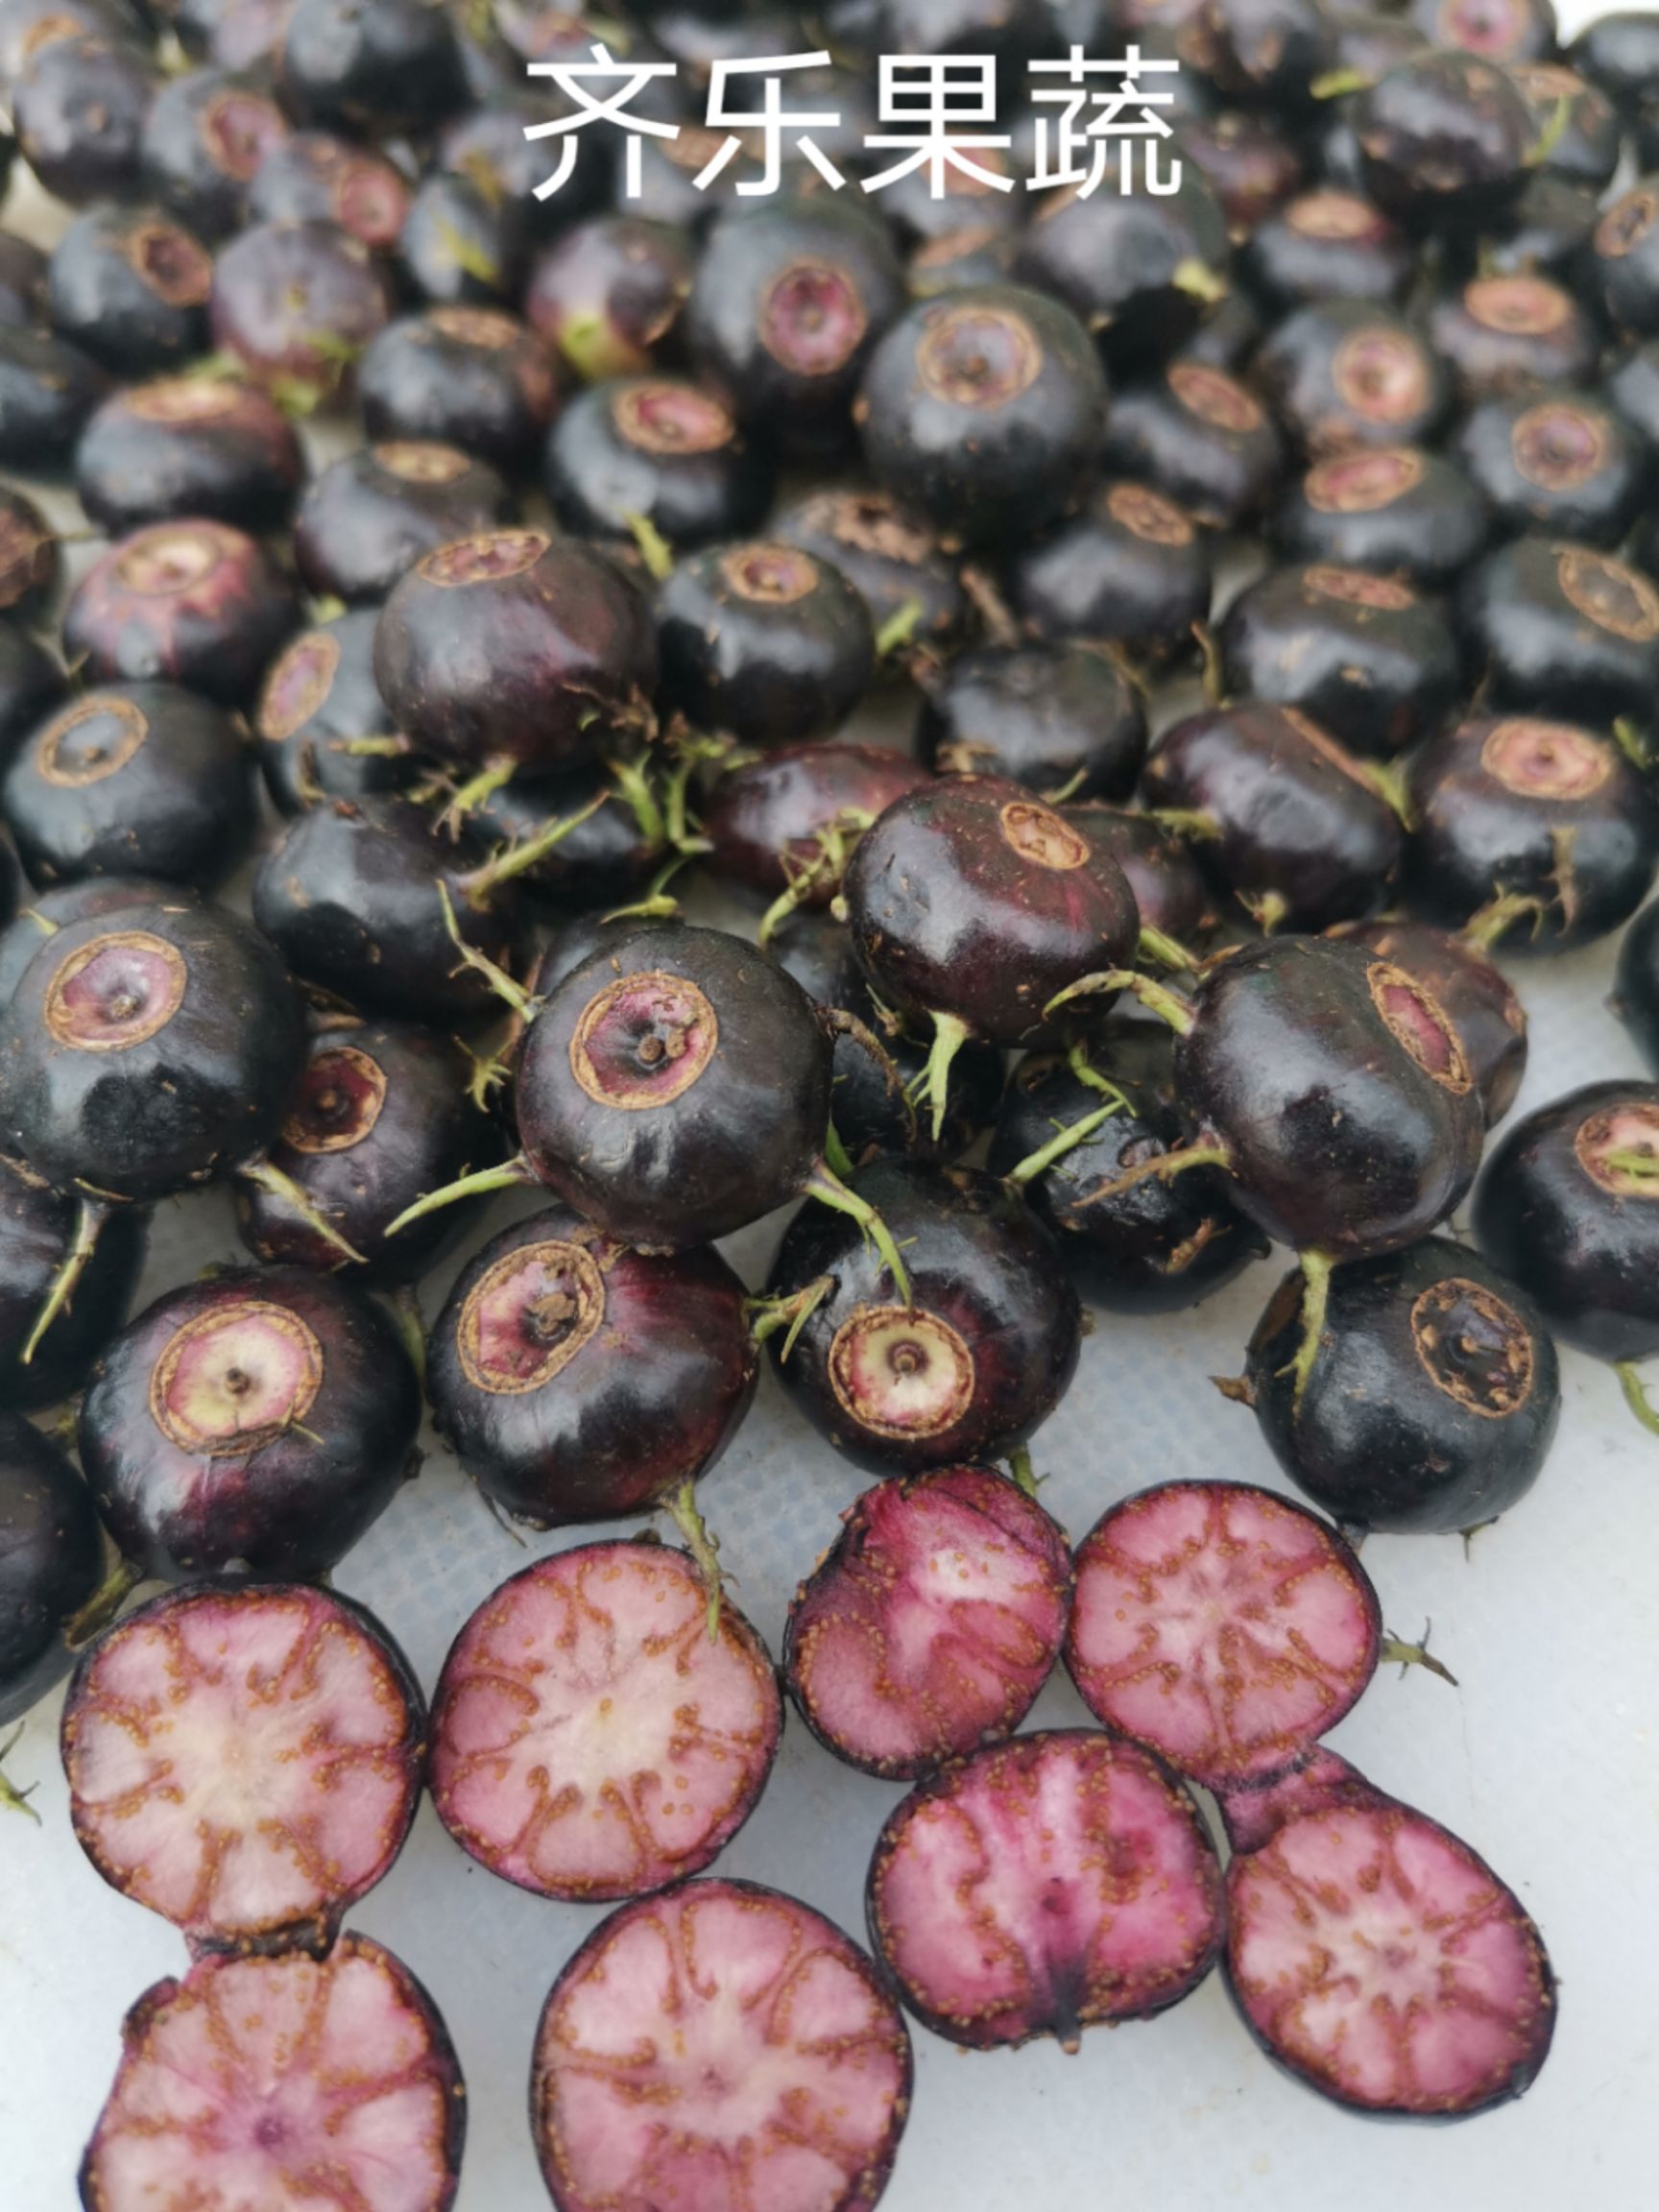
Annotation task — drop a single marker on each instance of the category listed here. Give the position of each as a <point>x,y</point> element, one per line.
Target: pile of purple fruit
<point>1253,591</point>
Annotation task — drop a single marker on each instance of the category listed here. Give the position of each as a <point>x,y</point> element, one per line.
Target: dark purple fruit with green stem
<point>323,729</point>
<point>246,1761</point>
<point>296,303</point>
<point>655,454</point>
<point>1063,720</point>
<point>968,1360</point>
<point>1027,1944</point>
<point>1562,629</point>
<point>1433,1399</point>
<point>38,1229</point>
<point>784,825</point>
<point>188,602</point>
<point>608,294</point>
<point>255,1424</point>
<point>1394,509</point>
<point>1248,163</point>
<point>972,904</point>
<point>1138,269</point>
<point>892,558</point>
<point>1158,866</point>
<point>627,828</point>
<point>313,178</point>
<point>465,376</point>
<point>48,388</point>
<point>462,246</point>
<point>1445,140</point>
<point>1199,437</point>
<point>50,1564</point>
<point>1470,989</point>
<point>272,2106</point>
<point>1132,569</point>
<point>875,1106</point>
<point>366,519</point>
<point>186,448</point>
<point>929,1626</point>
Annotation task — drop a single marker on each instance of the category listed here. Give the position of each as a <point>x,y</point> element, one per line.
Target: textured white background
<point>1544,1758</point>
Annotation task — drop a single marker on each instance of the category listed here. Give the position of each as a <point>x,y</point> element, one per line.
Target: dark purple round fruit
<point>1636,984</point>
<point>1432,1398</point>
<point>253,1424</point>
<point>297,302</point>
<point>230,34</point>
<point>138,780</point>
<point>313,178</point>
<point>489,145</point>
<point>762,642</point>
<point>148,1051</point>
<point>37,1228</point>
<point>1156,1248</point>
<point>207,134</point>
<point>1533,810</point>
<point>187,448</point>
<point>605,859</point>
<point>1394,509</point>
<point>32,683</point>
<point>1620,52</point>
<point>325,728</point>
<point>788,302</point>
<point>79,109</point>
<point>22,282</point>
<point>1356,652</point>
<point>1343,373</point>
<point>1249,164</point>
<point>608,294</point>
<point>979,252</point>
<point>514,647</point>
<point>1567,1208</point>
<point>892,559</point>
<point>1444,139</point>
<point>1063,720</point>
<point>380,1116</point>
<point>29,563</point>
<point>576,1379</point>
<point>130,287</point>
<point>462,245</point>
<point>674,1087</point>
<point>48,388</point>
<point>1328,244</point>
<point>368,518</point>
<point>1158,866</point>
<point>27,27</point>
<point>1300,836</point>
<point>774,820</point>
<point>979,1356</point>
<point>1197,436</point>
<point>1470,990</point>
<point>1559,461</point>
<point>1264,53</point>
<point>657,450</point>
<point>351,897</point>
<point>1505,31</point>
<point>1562,629</point>
<point>1132,568</point>
<point>1136,269</point>
<point>51,1562</point>
<point>1546,233</point>
<point>188,602</point>
<point>1504,333</point>
<point>380,68</point>
<point>1624,260</point>
<point>984,409</point>
<point>46,914</point>
<point>465,376</point>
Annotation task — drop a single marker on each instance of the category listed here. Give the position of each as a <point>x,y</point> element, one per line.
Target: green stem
<point>1167,951</point>
<point>102,1607</point>
<point>898,629</point>
<point>1268,909</point>
<point>511,992</point>
<point>1212,674</point>
<point>1393,1651</point>
<point>654,549</point>
<point>507,1177</point>
<point>1387,779</point>
<point>1635,1396</point>
<point>767,1315</point>
<point>1188,821</point>
<point>515,859</point>
<point>13,1799</point>
<point>1498,916</point>
<point>836,1153</point>
<point>1020,1467</point>
<point>370,747</point>
<point>90,1220</point>
<point>949,1035</point>
<point>634,783</point>
<point>411,1326</point>
<point>1157,998</point>
<point>1316,1269</point>
<point>467,798</point>
<point>264,1176</point>
<point>1165,1166</point>
<point>702,1546</point>
<point>1199,280</point>
<point>1643,1166</point>
<point>1090,1076</point>
<point>829,1190</point>
<point>1037,1163</point>
<point>828,865</point>
<point>1634,746</point>
<point>1337,84</point>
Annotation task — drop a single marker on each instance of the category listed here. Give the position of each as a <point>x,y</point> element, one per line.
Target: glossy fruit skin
<point>982,1266</point>
<point>313,178</point>
<point>1583,840</point>
<point>318,696</point>
<point>1158,1248</point>
<point>1343,373</point>
<point>169,1110</point>
<point>659,447</point>
<point>516,646</point>
<point>1585,1253</point>
<point>762,642</point>
<point>1249,165</point>
<point>608,294</point>
<point>51,1562</point>
<point>1636,984</point>
<point>1620,52</point>
<point>349,898</point>
<point>871,1102</point>
<point>37,1225</point>
<point>1358,653</point>
<point>1327,243</point>
<point>389,67</point>
<point>1158,866</point>
<point>817,950</point>
<point>130,287</point>
<point>1562,629</point>
<point>607,860</point>
<point>380,1116</point>
<point>28,26</point>
<point>207,134</point>
<point>1547,231</point>
<point>647,1399</point>
<point>1341,1141</point>
<point>1623,260</point>
<point>951,915</point>
<point>1300,827</point>
<point>79,109</point>
<point>1058,720</point>
<point>1471,991</point>
<point>1444,140</point>
<point>299,302</point>
<point>1113,257</point>
<point>288,1507</point>
<point>194,603</point>
<point>763,818</point>
<point>189,447</point>
<point>740,1135</point>
<point>1201,438</point>
<point>1394,509</point>
<point>486,145</point>
<point>459,247</point>
<point>368,518</point>
<point>32,683</point>
<point>1228,336</point>
<point>1504,333</point>
<point>74,903</point>
<point>984,409</point>
<point>29,562</point>
<point>48,388</point>
<point>889,556</point>
<point>1558,461</point>
<point>1433,1399</point>
<point>1132,566</point>
<point>467,377</point>
<point>179,805</point>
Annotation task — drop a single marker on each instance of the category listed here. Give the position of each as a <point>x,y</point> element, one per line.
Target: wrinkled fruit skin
<point>51,1561</point>
<point>256,1423</point>
<point>577,1380</point>
<point>37,1226</point>
<point>978,1361</point>
<point>1472,992</point>
<point>984,1894</point>
<point>929,1627</point>
<point>1432,1402</point>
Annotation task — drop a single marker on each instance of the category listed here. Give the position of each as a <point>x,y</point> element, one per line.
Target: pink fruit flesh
<point>588,1740</point>
<point>245,1761</point>
<point>932,1624</point>
<point>259,2082</point>
<point>1376,1957</point>
<point>1047,1885</point>
<point>1224,1627</point>
<point>721,2049</point>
